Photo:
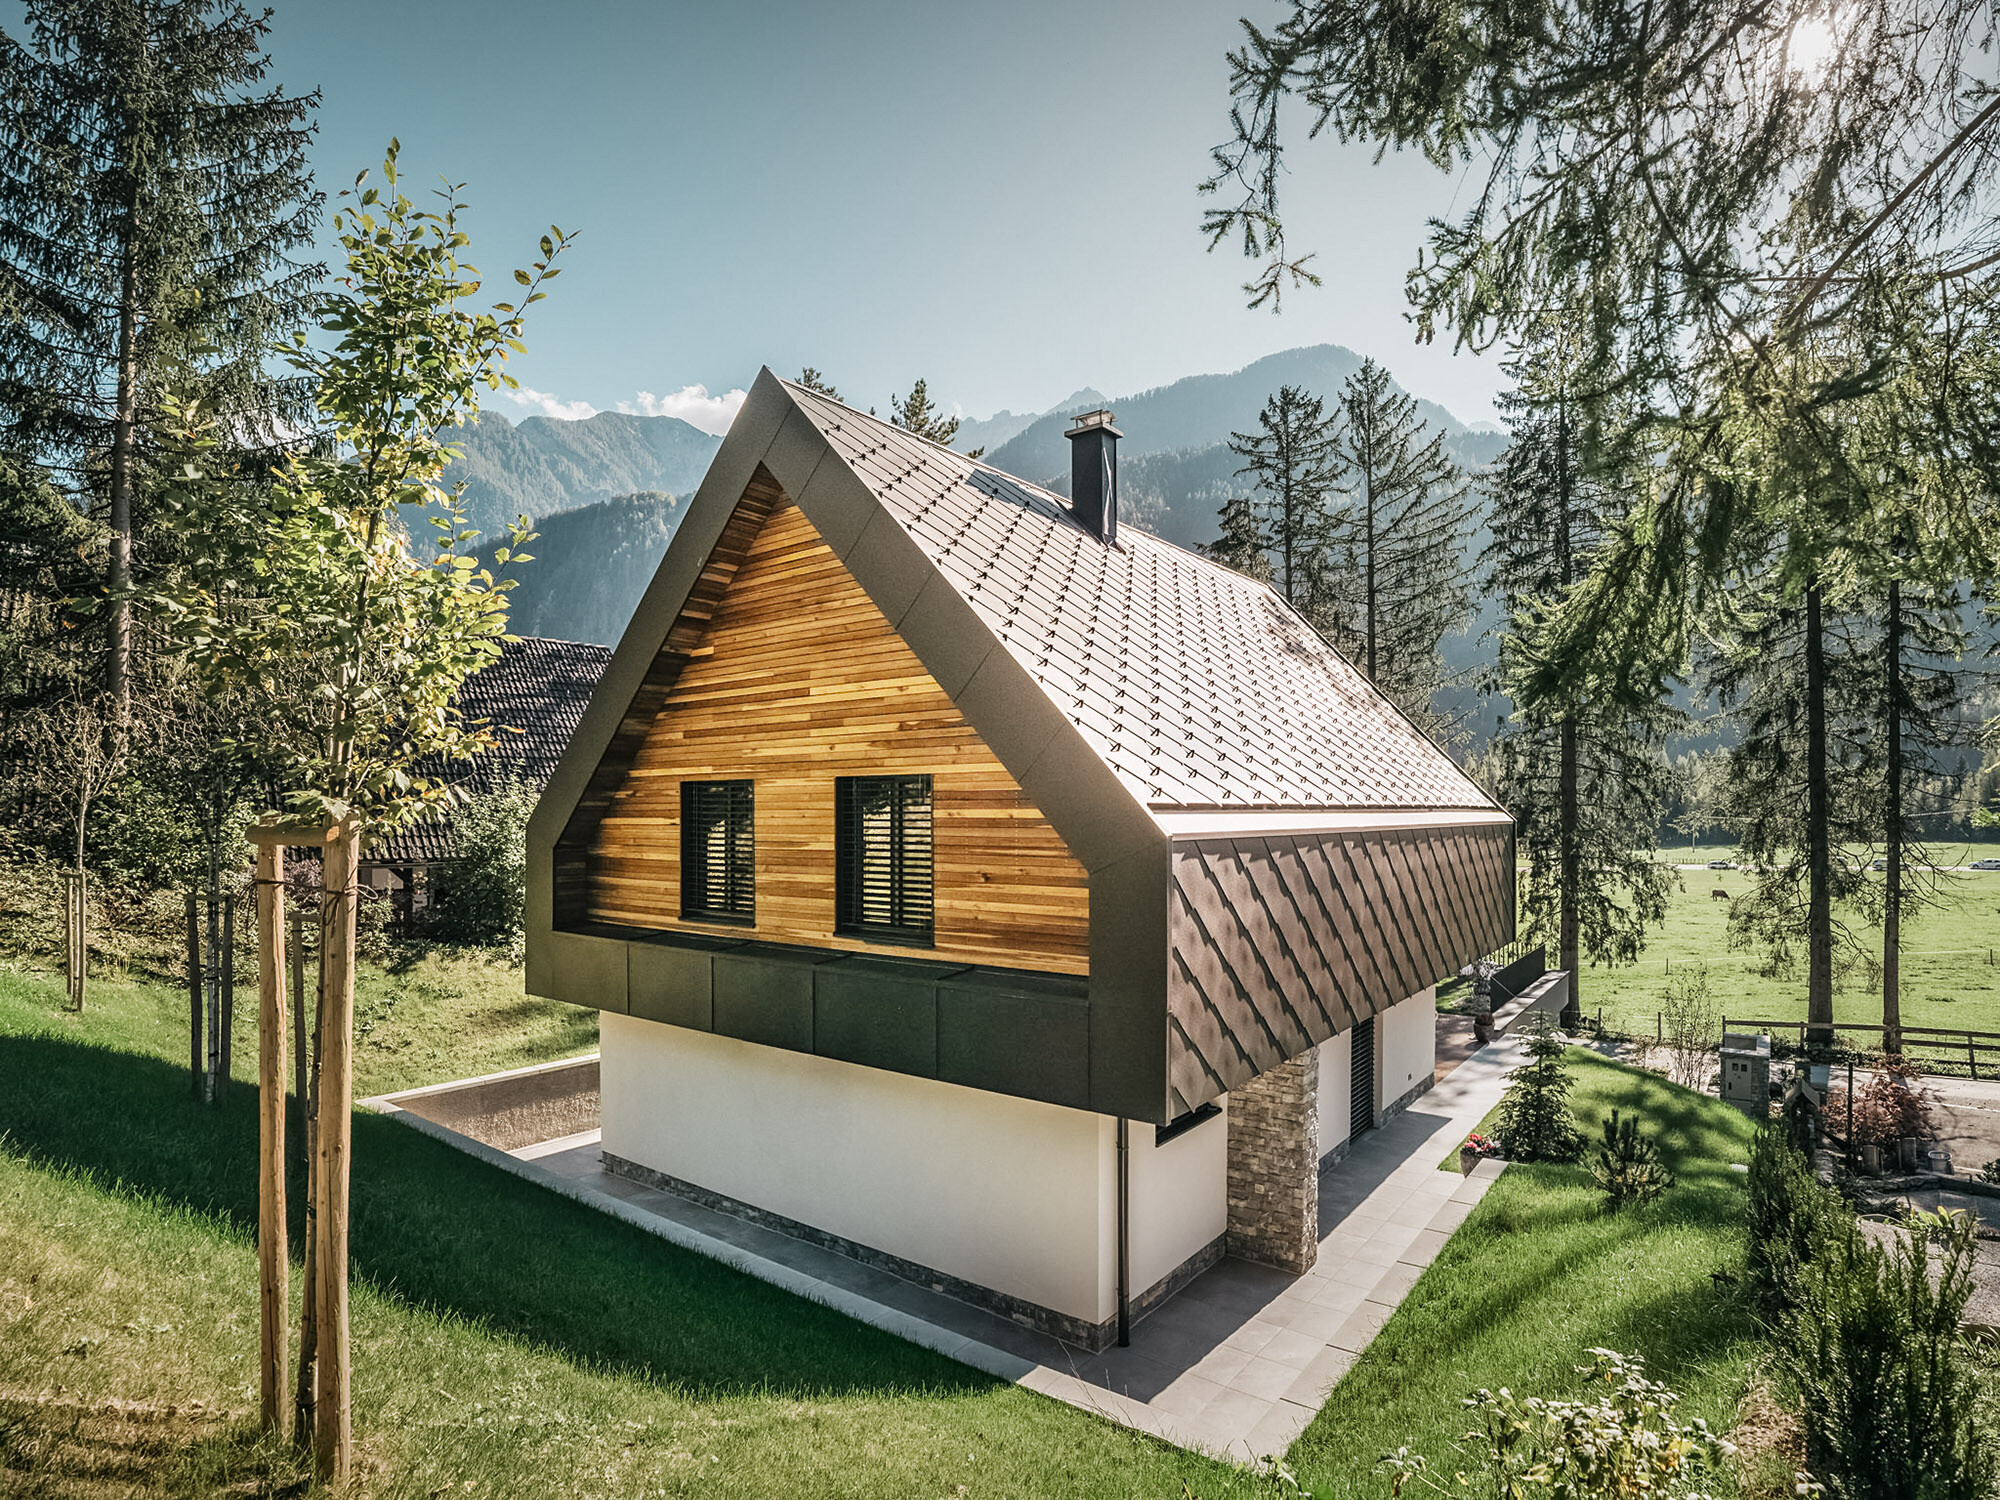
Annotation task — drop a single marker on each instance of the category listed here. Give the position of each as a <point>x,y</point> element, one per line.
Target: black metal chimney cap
<point>1092,421</point>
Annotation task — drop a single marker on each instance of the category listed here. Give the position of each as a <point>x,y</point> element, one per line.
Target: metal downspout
<point>1124,1232</point>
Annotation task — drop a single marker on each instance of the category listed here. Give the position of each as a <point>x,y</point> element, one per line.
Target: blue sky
<point>998,198</point>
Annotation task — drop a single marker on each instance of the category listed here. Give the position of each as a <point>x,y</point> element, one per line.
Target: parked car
<point>1985,864</point>
<point>1880,864</point>
<point>1722,864</point>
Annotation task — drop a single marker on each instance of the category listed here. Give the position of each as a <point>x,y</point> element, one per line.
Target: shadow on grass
<point>438,1230</point>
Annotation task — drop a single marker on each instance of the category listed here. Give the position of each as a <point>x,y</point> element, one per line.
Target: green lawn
<point>1540,1273</point>
<point>510,1342</point>
<point>424,1016</point>
<point>1950,977</point>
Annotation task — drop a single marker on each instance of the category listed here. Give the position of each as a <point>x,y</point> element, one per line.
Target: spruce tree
<point>153,198</point>
<point>1398,541</point>
<point>1585,778</point>
<point>1794,670</point>
<point>1292,461</point>
<point>917,413</point>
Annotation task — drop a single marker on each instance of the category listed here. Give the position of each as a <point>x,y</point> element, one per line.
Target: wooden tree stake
<point>273,1258</point>
<point>332,1419</point>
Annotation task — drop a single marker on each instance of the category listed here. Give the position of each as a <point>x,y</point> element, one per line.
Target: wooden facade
<point>796,679</point>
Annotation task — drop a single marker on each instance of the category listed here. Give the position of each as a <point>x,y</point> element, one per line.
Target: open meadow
<point>1951,956</point>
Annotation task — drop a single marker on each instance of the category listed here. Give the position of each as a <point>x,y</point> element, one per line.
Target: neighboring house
<point>1012,901</point>
<point>534,697</point>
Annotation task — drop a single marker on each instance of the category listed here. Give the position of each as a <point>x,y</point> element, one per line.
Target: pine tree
<point>916,413</point>
<point>1293,464</point>
<point>152,200</point>
<point>1398,541</point>
<point>1585,780</point>
<point>812,380</point>
<point>1241,545</point>
<point>1795,672</point>
<point>1920,643</point>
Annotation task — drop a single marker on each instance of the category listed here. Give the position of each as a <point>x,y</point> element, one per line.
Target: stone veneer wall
<point>1274,1167</point>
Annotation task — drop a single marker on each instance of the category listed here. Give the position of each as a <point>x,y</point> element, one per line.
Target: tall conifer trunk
<point>1374,672</point>
<point>122,424</point>
<point>1892,876</point>
<point>1568,812</point>
<point>1819,848</point>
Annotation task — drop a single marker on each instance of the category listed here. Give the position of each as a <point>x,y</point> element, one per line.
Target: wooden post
<point>195,1070</point>
<point>296,952</point>
<point>332,1418</point>
<point>225,961</point>
<point>273,1258</point>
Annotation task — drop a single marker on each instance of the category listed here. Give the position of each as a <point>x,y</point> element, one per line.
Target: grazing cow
<point>1719,895</point>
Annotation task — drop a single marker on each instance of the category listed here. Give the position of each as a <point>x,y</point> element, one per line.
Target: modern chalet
<point>1000,895</point>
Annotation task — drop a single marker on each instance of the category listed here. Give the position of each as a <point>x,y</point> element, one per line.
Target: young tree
<point>343,601</point>
<point>151,203</point>
<point>1241,545</point>
<point>1398,543</point>
<point>1293,464</point>
<point>1585,777</point>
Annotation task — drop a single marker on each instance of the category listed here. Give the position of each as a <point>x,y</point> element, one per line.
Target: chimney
<point>1093,474</point>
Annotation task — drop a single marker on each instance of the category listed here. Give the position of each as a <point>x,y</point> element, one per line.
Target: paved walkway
<point>1236,1365</point>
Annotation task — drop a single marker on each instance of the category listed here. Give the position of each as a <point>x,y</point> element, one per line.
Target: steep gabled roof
<point>534,696</point>
<point>1197,686</point>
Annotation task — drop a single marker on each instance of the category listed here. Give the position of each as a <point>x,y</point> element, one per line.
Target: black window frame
<point>905,874</point>
<point>738,810</point>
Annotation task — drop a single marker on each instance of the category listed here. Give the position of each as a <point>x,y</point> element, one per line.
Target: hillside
<point>542,466</point>
<point>590,565</point>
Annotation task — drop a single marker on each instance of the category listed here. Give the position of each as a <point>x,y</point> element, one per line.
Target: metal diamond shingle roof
<point>1197,686</point>
<point>539,688</point>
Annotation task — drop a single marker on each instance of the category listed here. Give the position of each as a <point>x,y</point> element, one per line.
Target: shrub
<point>1883,1384</point>
<point>1791,1219</point>
<point>1893,1105</point>
<point>1623,1440</point>
<point>1991,1171</point>
<point>482,899</point>
<point>1535,1122</point>
<point>1627,1165</point>
<point>1691,1027</point>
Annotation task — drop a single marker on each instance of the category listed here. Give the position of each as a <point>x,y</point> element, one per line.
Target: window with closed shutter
<point>882,853</point>
<point>718,852</point>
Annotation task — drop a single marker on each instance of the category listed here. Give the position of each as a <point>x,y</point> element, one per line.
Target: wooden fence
<point>1944,1050</point>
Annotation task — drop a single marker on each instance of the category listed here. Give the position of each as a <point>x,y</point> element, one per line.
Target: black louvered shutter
<point>882,851</point>
<point>718,851</point>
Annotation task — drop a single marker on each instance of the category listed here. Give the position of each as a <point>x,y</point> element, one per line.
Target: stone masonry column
<point>1274,1167</point>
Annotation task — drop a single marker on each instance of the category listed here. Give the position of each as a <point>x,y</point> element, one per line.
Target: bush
<point>1879,1372</point>
<point>1623,1442</point>
<point>1991,1171</point>
<point>1791,1218</point>
<point>1627,1165</point>
<point>482,898</point>
<point>1893,1105</point>
<point>1691,1026</point>
<point>1535,1122</point>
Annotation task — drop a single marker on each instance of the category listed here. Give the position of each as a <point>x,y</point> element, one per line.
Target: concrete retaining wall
<point>511,1110</point>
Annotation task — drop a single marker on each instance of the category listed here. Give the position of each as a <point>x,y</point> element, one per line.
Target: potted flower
<point>1476,1146</point>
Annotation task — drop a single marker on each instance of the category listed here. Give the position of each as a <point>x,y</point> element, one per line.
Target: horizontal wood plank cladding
<point>794,680</point>
<point>1278,941</point>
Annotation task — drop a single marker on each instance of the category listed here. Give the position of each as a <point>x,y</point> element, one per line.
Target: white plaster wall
<point>1336,1088</point>
<point>1179,1197</point>
<point>1002,1192</point>
<point>1408,1031</point>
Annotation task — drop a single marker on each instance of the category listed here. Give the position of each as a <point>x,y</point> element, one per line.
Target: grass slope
<point>1539,1273</point>
<point>503,1336</point>
<point>510,1342</point>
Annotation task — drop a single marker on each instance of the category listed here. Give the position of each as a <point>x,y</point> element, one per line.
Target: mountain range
<point>542,466</point>
<point>606,492</point>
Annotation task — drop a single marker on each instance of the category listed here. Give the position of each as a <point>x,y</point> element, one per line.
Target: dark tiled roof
<point>1197,686</point>
<point>539,687</point>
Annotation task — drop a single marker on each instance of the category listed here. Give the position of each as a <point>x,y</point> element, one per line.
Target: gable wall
<point>799,679</point>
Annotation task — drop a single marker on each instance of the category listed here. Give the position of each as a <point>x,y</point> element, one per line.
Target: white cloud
<point>692,404</point>
<point>550,406</point>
